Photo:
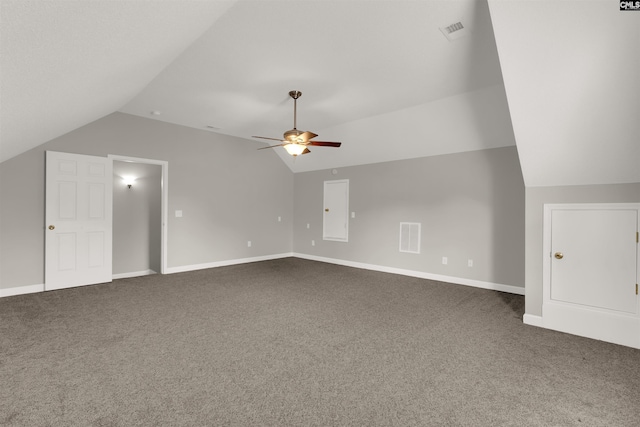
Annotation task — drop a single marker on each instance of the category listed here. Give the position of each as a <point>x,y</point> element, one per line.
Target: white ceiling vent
<point>454,31</point>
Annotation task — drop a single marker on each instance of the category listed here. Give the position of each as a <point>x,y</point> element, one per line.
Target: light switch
<point>178,214</point>
<point>353,214</point>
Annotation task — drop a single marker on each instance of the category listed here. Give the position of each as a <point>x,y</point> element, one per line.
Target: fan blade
<point>264,137</point>
<point>325,144</point>
<point>306,150</point>
<point>306,136</point>
<point>272,146</point>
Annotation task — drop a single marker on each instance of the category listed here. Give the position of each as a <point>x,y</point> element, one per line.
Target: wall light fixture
<point>128,180</point>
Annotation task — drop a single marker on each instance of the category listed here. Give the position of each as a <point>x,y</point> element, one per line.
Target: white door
<point>335,225</point>
<point>593,268</point>
<point>78,220</point>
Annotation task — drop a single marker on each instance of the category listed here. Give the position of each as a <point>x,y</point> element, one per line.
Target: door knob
<point>51,227</point>
<point>326,210</point>
<point>558,255</point>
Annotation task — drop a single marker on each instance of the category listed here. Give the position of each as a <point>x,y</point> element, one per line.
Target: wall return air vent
<point>454,31</point>
<point>410,237</point>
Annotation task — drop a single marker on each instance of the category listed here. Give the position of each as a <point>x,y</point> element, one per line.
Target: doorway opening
<point>140,189</point>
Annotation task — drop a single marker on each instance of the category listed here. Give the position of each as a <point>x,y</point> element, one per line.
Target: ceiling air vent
<point>454,31</point>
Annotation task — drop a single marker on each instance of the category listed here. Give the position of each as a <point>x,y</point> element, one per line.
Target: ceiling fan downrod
<point>295,94</point>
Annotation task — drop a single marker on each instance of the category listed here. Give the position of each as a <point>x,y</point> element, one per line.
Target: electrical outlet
<point>178,214</point>
<point>470,263</point>
<point>279,219</point>
<point>249,244</point>
<point>308,225</point>
<point>313,243</point>
<point>353,214</point>
<point>445,260</point>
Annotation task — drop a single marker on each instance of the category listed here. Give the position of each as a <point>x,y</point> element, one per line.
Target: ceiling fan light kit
<point>294,149</point>
<point>296,141</point>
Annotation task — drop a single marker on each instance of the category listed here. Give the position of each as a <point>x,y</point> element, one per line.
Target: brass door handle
<point>326,210</point>
<point>558,255</point>
<point>51,227</point>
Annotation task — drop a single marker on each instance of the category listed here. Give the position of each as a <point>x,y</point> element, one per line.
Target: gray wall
<point>536,197</point>
<point>471,206</point>
<point>137,218</point>
<point>229,193</point>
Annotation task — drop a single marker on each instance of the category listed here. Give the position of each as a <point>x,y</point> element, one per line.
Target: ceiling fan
<point>296,142</point>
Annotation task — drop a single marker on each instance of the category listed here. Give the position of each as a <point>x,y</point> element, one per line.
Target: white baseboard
<point>528,319</point>
<point>592,322</point>
<point>21,290</point>
<point>420,274</point>
<point>533,320</point>
<point>133,274</point>
<point>225,263</point>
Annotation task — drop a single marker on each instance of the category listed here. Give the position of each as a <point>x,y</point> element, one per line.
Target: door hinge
<point>637,236</point>
<point>636,289</point>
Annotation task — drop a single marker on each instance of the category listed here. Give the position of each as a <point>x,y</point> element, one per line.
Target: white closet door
<point>336,210</point>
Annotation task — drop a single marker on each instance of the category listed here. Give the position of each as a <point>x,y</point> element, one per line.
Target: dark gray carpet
<point>293,342</point>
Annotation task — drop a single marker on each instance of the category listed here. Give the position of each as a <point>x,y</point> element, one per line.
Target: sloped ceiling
<point>66,63</point>
<point>572,77</point>
<point>378,76</point>
<point>362,67</point>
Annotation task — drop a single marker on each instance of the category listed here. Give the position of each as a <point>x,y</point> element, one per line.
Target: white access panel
<point>598,250</point>
<point>591,271</point>
<point>335,225</point>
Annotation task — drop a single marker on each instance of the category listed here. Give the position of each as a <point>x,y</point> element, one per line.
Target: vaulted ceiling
<point>572,76</point>
<point>557,79</point>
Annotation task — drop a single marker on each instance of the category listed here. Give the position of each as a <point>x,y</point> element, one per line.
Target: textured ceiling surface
<point>572,78</point>
<point>230,65</point>
<point>351,60</point>
<point>66,63</point>
<point>379,76</point>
